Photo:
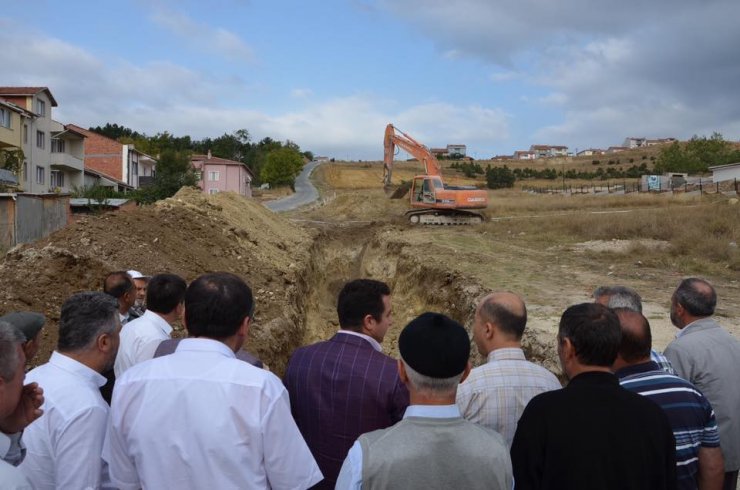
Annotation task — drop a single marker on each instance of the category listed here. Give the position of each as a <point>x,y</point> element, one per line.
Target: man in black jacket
<point>592,434</point>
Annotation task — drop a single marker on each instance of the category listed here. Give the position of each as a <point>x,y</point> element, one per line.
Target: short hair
<point>594,331</point>
<point>164,292</point>
<point>10,339</point>
<point>216,305</point>
<point>117,284</point>
<point>636,343</point>
<point>84,317</point>
<point>358,299</point>
<point>620,297</point>
<point>437,386</point>
<point>507,320</point>
<point>697,296</point>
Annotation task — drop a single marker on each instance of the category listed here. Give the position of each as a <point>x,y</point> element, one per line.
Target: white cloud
<point>157,97</point>
<point>301,93</point>
<point>659,68</point>
<point>201,36</point>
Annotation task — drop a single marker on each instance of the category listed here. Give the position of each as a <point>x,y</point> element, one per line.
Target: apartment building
<point>547,151</point>
<point>13,119</point>
<point>117,162</point>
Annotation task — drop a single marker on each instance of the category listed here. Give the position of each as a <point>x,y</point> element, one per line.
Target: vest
<point>428,453</point>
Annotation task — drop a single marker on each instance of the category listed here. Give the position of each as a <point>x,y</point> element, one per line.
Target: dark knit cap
<point>434,345</point>
<point>26,322</point>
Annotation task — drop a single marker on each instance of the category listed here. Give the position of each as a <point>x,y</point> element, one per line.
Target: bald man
<point>699,462</point>
<point>495,394</point>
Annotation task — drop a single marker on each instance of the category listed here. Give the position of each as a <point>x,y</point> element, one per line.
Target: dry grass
<point>702,232</point>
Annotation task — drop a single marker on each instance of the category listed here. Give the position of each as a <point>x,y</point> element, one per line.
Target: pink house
<point>222,175</point>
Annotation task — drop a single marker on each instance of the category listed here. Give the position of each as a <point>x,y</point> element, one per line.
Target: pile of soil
<point>188,234</point>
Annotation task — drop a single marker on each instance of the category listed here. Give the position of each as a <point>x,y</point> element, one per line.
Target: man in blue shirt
<point>699,462</point>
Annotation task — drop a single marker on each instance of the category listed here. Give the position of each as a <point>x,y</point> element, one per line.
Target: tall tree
<point>281,167</point>
<point>174,170</point>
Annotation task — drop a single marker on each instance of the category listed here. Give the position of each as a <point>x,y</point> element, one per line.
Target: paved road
<point>305,192</point>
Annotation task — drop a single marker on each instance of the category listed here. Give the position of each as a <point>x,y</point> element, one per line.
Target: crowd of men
<point>120,404</point>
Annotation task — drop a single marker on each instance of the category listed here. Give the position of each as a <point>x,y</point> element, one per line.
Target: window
<point>213,191</point>
<point>40,107</point>
<point>5,117</point>
<point>25,171</point>
<point>57,146</point>
<point>56,179</point>
<point>40,175</point>
<point>213,176</point>
<point>25,133</point>
<point>40,139</point>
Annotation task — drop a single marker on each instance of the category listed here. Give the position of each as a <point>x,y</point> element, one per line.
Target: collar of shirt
<point>507,354</point>
<point>4,444</point>
<point>643,367</point>
<point>156,320</point>
<point>123,318</point>
<point>594,378</point>
<point>202,344</point>
<point>372,341</point>
<point>696,325</point>
<point>432,411</point>
<point>68,364</point>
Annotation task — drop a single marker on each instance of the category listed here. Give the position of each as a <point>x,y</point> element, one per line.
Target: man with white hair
<point>433,446</point>
<point>65,445</point>
<point>624,297</point>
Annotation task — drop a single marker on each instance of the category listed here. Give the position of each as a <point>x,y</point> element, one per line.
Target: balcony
<point>66,162</point>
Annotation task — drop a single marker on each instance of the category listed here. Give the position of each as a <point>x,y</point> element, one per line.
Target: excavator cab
<point>423,190</point>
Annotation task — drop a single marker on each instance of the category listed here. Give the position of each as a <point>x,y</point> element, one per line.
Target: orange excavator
<point>432,202</point>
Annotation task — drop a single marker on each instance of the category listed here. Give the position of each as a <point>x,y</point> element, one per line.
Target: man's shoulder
<point>13,478</point>
<point>340,346</point>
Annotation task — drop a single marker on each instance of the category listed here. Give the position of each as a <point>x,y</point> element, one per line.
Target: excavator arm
<point>395,137</point>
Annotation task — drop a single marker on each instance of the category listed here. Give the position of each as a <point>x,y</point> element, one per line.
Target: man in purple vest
<point>345,386</point>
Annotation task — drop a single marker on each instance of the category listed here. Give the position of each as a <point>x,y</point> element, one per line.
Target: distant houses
<point>221,175</point>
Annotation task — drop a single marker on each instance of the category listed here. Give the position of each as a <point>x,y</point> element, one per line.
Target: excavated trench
<point>341,254</point>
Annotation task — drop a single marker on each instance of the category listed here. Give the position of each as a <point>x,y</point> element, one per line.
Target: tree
<point>281,167</point>
<point>499,177</point>
<point>697,155</point>
<point>174,170</point>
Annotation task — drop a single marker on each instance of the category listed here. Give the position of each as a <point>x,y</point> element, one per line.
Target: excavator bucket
<point>398,192</point>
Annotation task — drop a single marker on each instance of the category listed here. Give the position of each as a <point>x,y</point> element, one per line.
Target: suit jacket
<point>340,389</point>
<point>593,435</point>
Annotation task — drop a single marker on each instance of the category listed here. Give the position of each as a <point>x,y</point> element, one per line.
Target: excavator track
<point>443,217</point>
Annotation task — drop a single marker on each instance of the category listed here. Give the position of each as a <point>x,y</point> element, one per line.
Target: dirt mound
<point>188,234</point>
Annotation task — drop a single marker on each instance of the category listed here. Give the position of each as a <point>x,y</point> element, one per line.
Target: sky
<point>495,75</point>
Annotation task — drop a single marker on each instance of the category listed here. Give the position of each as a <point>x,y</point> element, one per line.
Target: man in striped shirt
<point>699,462</point>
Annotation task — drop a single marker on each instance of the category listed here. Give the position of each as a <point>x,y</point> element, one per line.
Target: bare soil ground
<point>553,250</point>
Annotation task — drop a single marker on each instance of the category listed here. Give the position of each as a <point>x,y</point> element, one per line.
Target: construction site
<point>552,250</point>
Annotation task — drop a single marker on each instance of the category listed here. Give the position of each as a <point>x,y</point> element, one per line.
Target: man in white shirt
<point>201,418</point>
<point>141,337</point>
<point>64,446</point>
<point>19,406</point>
<point>120,285</point>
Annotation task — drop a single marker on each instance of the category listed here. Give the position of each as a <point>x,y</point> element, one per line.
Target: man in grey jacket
<point>708,356</point>
<point>433,446</point>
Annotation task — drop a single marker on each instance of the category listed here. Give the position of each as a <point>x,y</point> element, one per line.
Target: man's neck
<point>420,398</point>
<point>581,368</point>
<point>504,344</point>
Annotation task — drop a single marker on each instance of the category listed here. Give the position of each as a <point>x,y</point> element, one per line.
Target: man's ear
<point>244,327</point>
<point>104,342</point>
<point>490,330</point>
<point>402,372</point>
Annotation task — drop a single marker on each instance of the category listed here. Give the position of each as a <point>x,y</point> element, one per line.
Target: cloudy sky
<point>496,75</point>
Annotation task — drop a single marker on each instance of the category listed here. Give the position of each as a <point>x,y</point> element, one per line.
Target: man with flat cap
<point>433,446</point>
<point>28,323</point>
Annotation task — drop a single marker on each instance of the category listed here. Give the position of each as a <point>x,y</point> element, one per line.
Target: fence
<point>612,187</point>
<point>26,217</point>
